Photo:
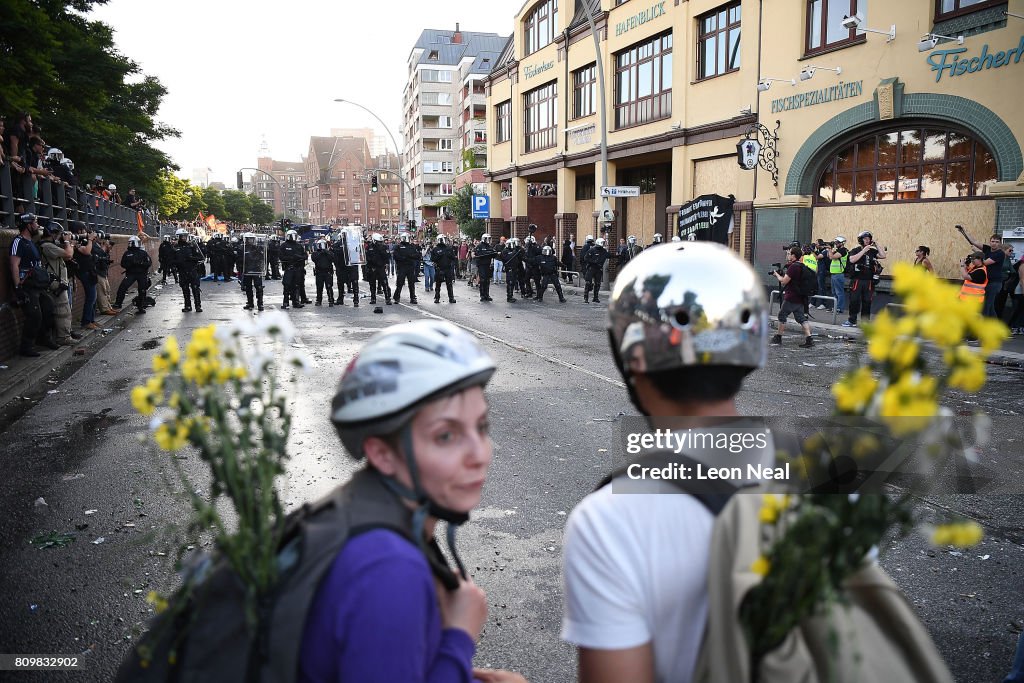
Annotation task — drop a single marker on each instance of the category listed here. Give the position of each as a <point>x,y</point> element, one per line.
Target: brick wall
<point>11,318</point>
<point>1009,214</point>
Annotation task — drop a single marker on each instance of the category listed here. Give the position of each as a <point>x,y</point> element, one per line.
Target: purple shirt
<point>375,618</point>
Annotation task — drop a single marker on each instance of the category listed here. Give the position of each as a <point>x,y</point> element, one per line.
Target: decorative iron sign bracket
<point>766,149</point>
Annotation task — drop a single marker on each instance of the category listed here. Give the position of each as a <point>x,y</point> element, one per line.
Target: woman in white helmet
<point>390,607</point>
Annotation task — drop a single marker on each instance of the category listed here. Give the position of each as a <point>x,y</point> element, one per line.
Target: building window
<point>540,117</point>
<point>444,122</point>
<point>356,206</point>
<point>644,178</point>
<point>584,91</point>
<point>503,122</point>
<point>341,175</point>
<point>718,46</point>
<point>432,55</point>
<point>341,191</point>
<point>343,207</point>
<point>825,28</point>
<point>445,145</point>
<point>585,187</point>
<point>447,167</point>
<point>446,189</point>
<point>540,26</point>
<point>643,82</point>
<point>944,9</point>
<point>908,164</point>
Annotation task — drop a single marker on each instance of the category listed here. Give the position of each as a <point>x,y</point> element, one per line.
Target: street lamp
<point>284,190</point>
<point>398,152</point>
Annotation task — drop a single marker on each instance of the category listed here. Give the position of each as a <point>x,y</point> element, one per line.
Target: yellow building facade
<point>906,136</point>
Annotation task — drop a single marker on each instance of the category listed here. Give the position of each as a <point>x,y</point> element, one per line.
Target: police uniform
<point>377,259</point>
<point>187,258</point>
<point>293,258</point>
<point>323,269</point>
<point>445,259</point>
<point>407,266</point>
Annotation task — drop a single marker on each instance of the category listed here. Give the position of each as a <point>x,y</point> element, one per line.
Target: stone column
<point>565,208</point>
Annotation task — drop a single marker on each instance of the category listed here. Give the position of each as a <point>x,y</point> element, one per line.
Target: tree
<point>196,203</point>
<point>214,202</point>
<point>262,213</point>
<point>237,208</point>
<point>91,101</point>
<point>172,199</point>
<point>460,205</point>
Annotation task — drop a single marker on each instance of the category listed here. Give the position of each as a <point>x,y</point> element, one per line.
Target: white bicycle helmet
<point>112,187</point>
<point>398,371</point>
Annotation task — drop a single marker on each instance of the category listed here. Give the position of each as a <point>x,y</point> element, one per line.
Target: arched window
<point>539,27</point>
<point>910,163</point>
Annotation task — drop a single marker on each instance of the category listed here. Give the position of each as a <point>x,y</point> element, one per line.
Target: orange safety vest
<point>972,290</point>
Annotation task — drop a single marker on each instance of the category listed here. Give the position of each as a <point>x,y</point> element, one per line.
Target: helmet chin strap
<point>626,375</point>
<point>424,507</point>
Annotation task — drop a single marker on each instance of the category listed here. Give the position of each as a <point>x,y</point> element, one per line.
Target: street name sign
<point>620,190</point>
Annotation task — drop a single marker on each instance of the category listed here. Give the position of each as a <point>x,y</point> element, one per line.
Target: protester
<point>921,259</point>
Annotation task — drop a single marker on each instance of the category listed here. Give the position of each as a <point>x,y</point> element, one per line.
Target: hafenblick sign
<point>809,99</point>
<point>640,18</point>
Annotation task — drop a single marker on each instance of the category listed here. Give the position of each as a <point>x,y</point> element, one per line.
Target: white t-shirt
<point>635,571</point>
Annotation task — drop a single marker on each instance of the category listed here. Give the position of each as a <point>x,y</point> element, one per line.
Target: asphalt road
<point>555,401</point>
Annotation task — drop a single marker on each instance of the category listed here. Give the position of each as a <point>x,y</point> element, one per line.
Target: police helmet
<point>530,239</point>
<point>590,238</point>
<point>631,239</point>
<point>321,245</point>
<point>181,232</point>
<point>547,251</point>
<point>485,238</point>
<point>840,239</point>
<point>658,238</point>
<point>291,236</point>
<point>865,233</point>
<point>134,241</point>
<point>54,153</point>
<point>677,238</point>
<point>694,304</point>
<point>112,187</point>
<point>404,238</point>
<point>441,239</point>
<point>377,237</point>
<point>600,242</point>
<point>234,239</point>
<point>67,162</point>
<point>513,242</point>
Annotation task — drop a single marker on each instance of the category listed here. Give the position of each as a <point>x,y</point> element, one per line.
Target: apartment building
<point>444,114</point>
<point>864,114</point>
<point>282,185</point>
<point>339,187</point>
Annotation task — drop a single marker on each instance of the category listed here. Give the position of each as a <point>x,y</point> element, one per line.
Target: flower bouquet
<point>813,542</point>
<point>223,396</point>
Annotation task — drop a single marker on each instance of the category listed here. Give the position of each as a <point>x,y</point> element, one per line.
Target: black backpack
<point>209,633</point>
<point>807,284</point>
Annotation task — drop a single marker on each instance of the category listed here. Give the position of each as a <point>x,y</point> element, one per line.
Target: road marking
<point>517,347</point>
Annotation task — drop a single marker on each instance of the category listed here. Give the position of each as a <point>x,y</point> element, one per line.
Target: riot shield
<point>254,256</point>
<point>354,247</point>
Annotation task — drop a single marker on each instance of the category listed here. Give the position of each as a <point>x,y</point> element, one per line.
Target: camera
<point>776,268</point>
<point>83,240</point>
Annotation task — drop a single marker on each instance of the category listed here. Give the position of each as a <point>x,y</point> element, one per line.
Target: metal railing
<point>53,200</point>
<point>775,294</point>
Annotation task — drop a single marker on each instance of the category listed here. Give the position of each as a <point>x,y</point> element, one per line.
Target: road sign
<point>481,206</point>
<point>620,190</point>
<point>607,214</point>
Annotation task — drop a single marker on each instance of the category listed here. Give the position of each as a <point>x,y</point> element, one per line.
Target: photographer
<point>101,248</point>
<point>821,255</point>
<point>84,239</point>
<point>28,274</point>
<point>838,260</point>
<point>58,248</point>
<point>976,279</point>
<point>863,258</point>
<point>994,258</point>
<point>793,299</point>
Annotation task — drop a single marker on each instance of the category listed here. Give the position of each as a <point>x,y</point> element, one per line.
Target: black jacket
<point>445,258</point>
<point>136,260</point>
<point>512,257</point>
<point>323,262</point>
<point>166,253</point>
<point>595,258</point>
<point>187,257</point>
<point>407,258</point>
<point>293,254</point>
<point>483,254</point>
<point>548,265</point>
<point>377,257</point>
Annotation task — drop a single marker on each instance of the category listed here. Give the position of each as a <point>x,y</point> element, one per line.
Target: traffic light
<point>373,183</point>
<point>238,180</point>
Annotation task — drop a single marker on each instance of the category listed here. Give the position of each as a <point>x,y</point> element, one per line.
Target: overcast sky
<point>237,72</point>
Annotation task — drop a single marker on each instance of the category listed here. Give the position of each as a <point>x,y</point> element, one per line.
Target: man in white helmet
<point>323,270</point>
<point>512,258</point>
<point>658,239</point>
<point>253,267</point>
<point>406,256</point>
<point>636,566</point>
<point>446,260</point>
<point>136,263</point>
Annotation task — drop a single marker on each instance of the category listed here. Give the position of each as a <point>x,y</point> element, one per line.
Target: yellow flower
<point>881,334</point>
<point>169,357</point>
<point>203,344</point>
<point>943,330</point>
<point>903,354</point>
<point>968,369</point>
<point>909,404</point>
<point>200,371</point>
<point>761,566</point>
<point>172,437</point>
<point>961,535</point>
<point>159,603</point>
<point>990,333</point>
<point>146,397</point>
<point>854,391</point>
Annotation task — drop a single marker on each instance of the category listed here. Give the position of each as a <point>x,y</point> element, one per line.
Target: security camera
<point>851,22</point>
<point>807,73</point>
<point>927,43</point>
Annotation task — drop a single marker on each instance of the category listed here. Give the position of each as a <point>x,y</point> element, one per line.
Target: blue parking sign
<point>481,206</point>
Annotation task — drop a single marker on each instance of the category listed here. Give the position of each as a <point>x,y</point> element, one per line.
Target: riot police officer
<point>532,271</point>
<point>547,264</point>
<point>274,257</point>
<point>632,249</point>
<point>293,258</point>
<point>445,259</point>
<point>323,269</point>
<point>484,254</point>
<point>348,272</point>
<point>377,259</point>
<point>657,240</point>
<point>407,266</point>
<point>187,259</point>
<point>166,257</point>
<point>512,258</point>
<point>594,265</point>
<point>136,263</point>
<point>253,266</point>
